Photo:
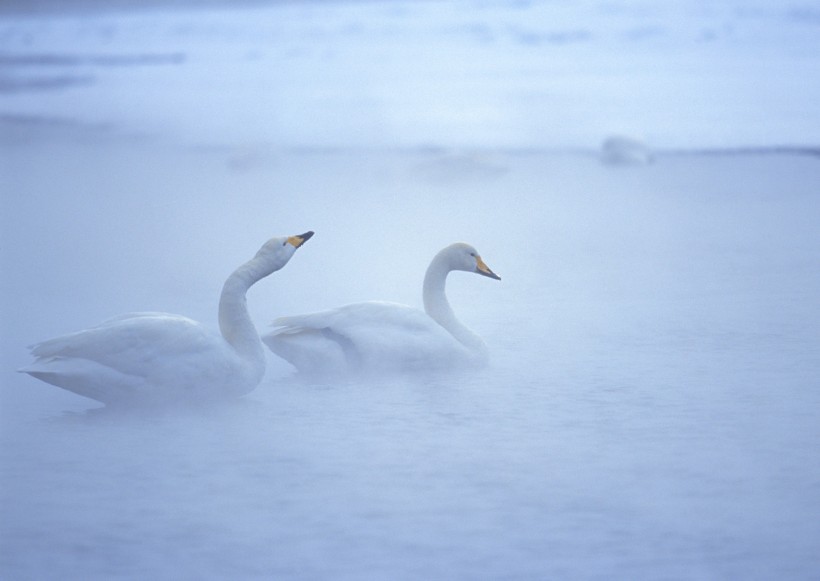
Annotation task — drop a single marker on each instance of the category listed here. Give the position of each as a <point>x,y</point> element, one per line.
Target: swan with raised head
<point>159,357</point>
<point>379,337</point>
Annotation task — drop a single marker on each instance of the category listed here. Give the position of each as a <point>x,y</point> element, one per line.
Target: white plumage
<point>160,357</point>
<point>377,336</point>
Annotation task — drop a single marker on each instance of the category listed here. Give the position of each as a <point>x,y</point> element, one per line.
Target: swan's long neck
<point>438,307</point>
<point>234,320</point>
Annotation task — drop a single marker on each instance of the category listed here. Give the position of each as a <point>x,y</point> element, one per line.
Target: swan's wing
<point>356,314</point>
<point>133,356</point>
<point>129,343</point>
<point>372,335</point>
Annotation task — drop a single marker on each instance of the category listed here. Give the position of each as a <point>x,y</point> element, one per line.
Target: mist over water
<point>651,406</point>
<point>417,74</point>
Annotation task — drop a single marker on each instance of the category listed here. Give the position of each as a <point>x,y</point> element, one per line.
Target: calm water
<point>651,409</point>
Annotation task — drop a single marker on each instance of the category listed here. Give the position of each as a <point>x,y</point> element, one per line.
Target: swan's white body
<point>159,357</point>
<point>377,337</point>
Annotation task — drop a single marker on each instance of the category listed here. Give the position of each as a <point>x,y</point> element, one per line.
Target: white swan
<point>159,357</point>
<point>377,337</point>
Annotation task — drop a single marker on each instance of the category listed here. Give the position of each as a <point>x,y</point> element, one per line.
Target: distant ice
<point>417,74</point>
<point>621,150</point>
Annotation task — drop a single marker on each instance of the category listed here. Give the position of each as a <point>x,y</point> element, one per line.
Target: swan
<point>383,337</point>
<point>159,357</point>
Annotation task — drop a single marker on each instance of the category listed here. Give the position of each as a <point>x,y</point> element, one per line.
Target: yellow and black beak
<point>297,241</point>
<point>482,268</point>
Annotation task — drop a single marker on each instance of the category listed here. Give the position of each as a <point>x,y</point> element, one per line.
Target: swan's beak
<point>297,241</point>
<point>482,268</point>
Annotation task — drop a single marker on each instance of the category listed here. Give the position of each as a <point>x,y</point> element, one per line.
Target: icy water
<point>651,409</point>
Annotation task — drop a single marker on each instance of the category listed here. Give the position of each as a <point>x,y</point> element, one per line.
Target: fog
<point>650,409</point>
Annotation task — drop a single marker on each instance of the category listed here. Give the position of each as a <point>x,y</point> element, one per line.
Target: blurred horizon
<point>413,75</point>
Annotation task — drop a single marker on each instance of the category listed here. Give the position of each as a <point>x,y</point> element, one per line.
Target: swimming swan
<point>159,357</point>
<point>378,336</point>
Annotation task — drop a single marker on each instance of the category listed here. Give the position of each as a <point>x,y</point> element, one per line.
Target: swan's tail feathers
<point>52,348</point>
<point>311,351</point>
<point>67,346</point>
<point>86,378</point>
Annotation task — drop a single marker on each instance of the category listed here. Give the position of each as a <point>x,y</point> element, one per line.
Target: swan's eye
<point>285,243</point>
<point>472,254</point>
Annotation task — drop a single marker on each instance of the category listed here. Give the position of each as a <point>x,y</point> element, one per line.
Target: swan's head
<point>279,250</point>
<point>464,257</point>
